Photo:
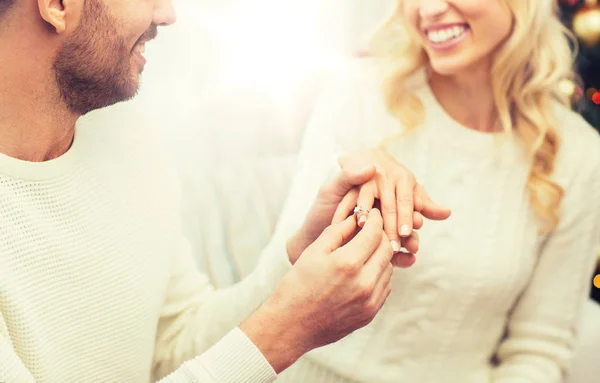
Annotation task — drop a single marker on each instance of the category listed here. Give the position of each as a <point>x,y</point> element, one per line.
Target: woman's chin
<point>447,66</point>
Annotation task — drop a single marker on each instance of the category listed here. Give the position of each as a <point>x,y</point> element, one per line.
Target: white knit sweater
<point>97,283</point>
<point>489,300</point>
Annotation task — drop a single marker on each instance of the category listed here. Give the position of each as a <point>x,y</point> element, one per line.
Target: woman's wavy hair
<point>527,72</point>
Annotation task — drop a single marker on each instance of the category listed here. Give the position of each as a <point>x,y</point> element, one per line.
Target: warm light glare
<point>269,42</point>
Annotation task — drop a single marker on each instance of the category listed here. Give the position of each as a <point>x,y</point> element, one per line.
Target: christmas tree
<point>583,18</point>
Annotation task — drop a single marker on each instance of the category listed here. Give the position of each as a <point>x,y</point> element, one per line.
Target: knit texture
<point>489,299</point>
<point>96,279</point>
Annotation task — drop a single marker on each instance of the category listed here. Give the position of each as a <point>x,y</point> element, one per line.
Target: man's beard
<point>93,68</point>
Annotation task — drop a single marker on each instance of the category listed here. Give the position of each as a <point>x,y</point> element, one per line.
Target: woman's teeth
<point>140,48</point>
<point>443,35</point>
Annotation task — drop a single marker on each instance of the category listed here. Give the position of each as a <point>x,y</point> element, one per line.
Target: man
<point>96,280</point>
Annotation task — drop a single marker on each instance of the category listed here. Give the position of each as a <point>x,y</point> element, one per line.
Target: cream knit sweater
<point>97,283</point>
<point>489,300</point>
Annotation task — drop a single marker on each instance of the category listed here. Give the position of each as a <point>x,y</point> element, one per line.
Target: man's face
<point>100,63</point>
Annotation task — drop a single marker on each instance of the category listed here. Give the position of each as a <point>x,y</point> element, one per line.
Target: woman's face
<point>459,35</point>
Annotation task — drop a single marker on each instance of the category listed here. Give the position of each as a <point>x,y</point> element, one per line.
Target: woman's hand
<point>403,202</point>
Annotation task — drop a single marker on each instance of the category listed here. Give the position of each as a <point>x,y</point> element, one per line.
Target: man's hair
<point>5,5</point>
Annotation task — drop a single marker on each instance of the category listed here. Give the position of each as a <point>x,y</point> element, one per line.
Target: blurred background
<point>583,18</point>
<point>229,89</point>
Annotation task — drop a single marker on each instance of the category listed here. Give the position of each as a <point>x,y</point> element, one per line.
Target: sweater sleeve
<point>542,330</point>
<point>235,359</point>
<point>195,316</point>
<point>12,368</point>
<point>192,322</point>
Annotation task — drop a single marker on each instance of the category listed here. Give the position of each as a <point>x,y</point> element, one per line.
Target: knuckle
<point>365,322</point>
<point>384,262</point>
<point>384,253</point>
<point>388,255</point>
<point>401,172</point>
<point>346,267</point>
<point>389,268</point>
<point>391,233</point>
<point>371,308</point>
<point>389,209</point>
<point>405,198</point>
<point>387,291</point>
<point>387,246</point>
<point>333,233</point>
<point>365,290</point>
<point>331,230</point>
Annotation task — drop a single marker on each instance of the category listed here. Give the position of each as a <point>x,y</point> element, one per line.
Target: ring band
<point>360,209</point>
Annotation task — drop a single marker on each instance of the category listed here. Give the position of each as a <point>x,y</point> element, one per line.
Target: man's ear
<point>59,13</point>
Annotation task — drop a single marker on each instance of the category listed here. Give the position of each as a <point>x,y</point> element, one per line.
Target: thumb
<point>349,178</point>
<point>335,236</point>
<point>429,209</point>
<point>432,210</point>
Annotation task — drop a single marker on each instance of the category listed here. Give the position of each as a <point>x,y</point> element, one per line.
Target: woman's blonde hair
<point>526,76</point>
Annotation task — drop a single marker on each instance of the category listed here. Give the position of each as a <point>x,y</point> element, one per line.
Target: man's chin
<point>124,94</point>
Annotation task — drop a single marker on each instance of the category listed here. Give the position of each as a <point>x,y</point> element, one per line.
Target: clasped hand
<point>395,191</point>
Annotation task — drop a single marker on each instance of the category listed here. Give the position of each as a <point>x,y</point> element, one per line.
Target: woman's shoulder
<point>579,151</point>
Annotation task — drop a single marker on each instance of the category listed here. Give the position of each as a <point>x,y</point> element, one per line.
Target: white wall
<point>237,76</point>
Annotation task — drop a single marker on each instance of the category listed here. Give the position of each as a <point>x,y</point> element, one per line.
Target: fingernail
<point>395,246</point>
<point>362,219</point>
<point>404,230</point>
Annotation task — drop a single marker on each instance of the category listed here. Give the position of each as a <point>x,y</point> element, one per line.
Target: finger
<point>344,209</point>
<point>383,287</point>
<point>411,244</point>
<point>353,159</point>
<point>360,248</point>
<point>418,201</point>
<point>389,213</point>
<point>335,236</point>
<point>366,199</point>
<point>379,260</point>
<point>417,220</point>
<point>403,260</point>
<point>335,190</point>
<point>404,201</point>
<point>431,209</point>
<point>384,295</point>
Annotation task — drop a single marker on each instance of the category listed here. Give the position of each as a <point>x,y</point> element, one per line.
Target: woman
<point>466,96</point>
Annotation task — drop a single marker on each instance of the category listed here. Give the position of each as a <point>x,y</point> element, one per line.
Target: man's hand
<point>338,286</point>
<point>321,213</point>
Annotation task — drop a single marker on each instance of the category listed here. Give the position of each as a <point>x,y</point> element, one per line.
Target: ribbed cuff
<point>235,359</point>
